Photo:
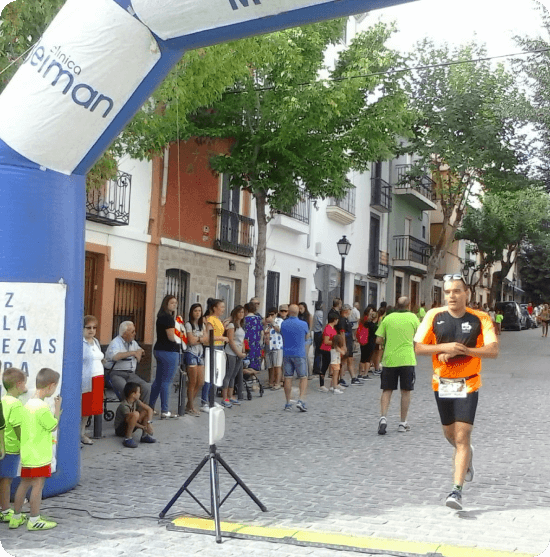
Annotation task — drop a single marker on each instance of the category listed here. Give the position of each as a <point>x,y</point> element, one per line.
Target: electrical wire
<point>396,71</point>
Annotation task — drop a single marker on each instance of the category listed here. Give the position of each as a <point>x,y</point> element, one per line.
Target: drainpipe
<point>165,177</point>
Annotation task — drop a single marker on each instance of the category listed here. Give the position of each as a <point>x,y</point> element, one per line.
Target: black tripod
<point>213,458</point>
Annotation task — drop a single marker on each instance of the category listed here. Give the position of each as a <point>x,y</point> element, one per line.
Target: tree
<point>502,225</point>
<point>464,134</point>
<point>296,136</point>
<point>534,261</point>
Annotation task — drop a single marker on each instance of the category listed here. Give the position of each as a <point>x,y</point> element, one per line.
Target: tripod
<point>213,458</point>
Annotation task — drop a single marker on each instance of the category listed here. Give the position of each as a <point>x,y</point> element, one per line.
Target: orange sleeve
<point>425,333</point>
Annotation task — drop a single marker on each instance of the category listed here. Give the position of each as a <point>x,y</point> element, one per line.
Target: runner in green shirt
<point>396,333</point>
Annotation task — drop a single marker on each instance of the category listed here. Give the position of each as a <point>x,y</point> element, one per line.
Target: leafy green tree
<point>465,133</point>
<point>534,262</point>
<point>295,135</point>
<point>502,225</point>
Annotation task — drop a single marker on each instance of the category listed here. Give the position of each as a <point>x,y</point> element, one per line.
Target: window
<point>225,290</point>
<point>129,306</point>
<point>398,288</point>
<point>294,290</point>
<point>177,284</point>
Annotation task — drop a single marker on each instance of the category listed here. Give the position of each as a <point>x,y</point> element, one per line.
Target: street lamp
<point>343,246</point>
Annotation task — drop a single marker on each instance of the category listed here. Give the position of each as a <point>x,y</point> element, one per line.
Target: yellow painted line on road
<point>339,540</point>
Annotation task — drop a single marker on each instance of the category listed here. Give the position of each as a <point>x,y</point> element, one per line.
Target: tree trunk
<point>259,266</point>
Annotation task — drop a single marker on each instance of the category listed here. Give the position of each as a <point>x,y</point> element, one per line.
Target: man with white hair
<point>122,357</point>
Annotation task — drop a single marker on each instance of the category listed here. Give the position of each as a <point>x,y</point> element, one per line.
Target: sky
<point>493,22</point>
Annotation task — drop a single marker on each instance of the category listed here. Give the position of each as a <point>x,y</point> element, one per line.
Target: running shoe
<point>323,389</point>
<point>226,404</point>
<point>403,427</point>
<point>301,405</point>
<point>6,516</point>
<point>16,522</point>
<point>130,443</point>
<point>342,383</point>
<point>167,415</point>
<point>205,408</point>
<point>288,406</point>
<point>41,524</point>
<point>382,425</point>
<point>470,472</point>
<point>356,381</point>
<point>454,500</point>
<point>336,391</point>
<point>147,439</point>
<point>234,401</point>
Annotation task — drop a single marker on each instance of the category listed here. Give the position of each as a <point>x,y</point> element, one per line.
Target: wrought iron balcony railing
<point>410,248</point>
<point>378,265</point>
<point>111,204</point>
<point>421,184</point>
<point>380,195</point>
<point>235,233</point>
<point>347,203</point>
<point>300,211</point>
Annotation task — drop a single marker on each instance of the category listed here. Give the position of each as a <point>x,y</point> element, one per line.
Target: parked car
<point>531,319</point>
<point>514,318</point>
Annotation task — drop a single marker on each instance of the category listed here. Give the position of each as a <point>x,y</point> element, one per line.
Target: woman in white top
<point>195,329</point>
<point>235,352</point>
<point>92,377</point>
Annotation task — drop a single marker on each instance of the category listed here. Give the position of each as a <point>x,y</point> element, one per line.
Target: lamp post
<point>343,246</point>
<point>514,280</point>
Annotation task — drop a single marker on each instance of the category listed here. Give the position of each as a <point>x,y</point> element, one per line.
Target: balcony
<point>418,191</point>
<point>411,253</point>
<point>110,205</point>
<point>235,233</point>
<point>378,265</point>
<point>380,195</point>
<point>342,210</point>
<point>296,220</point>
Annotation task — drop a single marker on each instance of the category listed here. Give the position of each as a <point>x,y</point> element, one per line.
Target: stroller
<point>110,395</point>
<point>250,380</point>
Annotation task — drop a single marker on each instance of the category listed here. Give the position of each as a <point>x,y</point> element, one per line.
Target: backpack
<point>362,334</point>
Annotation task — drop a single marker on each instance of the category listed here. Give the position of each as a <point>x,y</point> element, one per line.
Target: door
<point>272,290</point>
<point>177,284</point>
<point>374,245</point>
<point>225,290</point>
<point>294,290</point>
<point>359,296</point>
<point>373,294</point>
<point>398,288</point>
<point>414,295</point>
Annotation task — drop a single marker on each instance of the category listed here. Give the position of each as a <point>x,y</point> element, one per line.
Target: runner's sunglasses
<point>452,277</point>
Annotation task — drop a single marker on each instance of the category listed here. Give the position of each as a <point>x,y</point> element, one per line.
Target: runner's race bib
<point>452,388</point>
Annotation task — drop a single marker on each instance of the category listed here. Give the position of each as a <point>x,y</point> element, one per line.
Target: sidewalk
<point>327,471</point>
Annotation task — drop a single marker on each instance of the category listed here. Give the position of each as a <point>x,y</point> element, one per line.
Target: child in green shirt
<point>37,426</point>
<point>15,383</point>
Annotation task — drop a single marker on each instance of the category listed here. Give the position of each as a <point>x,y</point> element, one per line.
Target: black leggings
<point>325,362</point>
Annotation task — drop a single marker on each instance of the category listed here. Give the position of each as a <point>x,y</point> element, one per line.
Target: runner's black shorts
<point>367,350</point>
<point>390,376</point>
<point>453,410</point>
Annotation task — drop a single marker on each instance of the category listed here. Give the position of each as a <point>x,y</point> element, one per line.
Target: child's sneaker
<point>16,522</point>
<point>148,439</point>
<point>130,443</point>
<point>5,516</point>
<point>41,524</point>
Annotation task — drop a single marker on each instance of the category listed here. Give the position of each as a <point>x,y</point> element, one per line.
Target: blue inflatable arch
<point>94,67</point>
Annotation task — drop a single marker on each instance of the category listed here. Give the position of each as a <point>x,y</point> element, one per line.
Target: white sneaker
<point>336,391</point>
<point>323,389</point>
<point>403,427</point>
<point>205,408</point>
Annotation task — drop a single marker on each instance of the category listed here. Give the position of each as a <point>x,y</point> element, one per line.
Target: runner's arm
<point>487,351</point>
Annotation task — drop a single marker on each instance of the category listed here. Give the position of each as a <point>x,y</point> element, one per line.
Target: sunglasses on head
<point>456,276</point>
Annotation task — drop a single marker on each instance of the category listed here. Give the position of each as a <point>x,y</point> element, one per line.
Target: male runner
<point>457,337</point>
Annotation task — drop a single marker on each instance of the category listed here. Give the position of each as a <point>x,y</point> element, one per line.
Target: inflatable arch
<point>93,68</point>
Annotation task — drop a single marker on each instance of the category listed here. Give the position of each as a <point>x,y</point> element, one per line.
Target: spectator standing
<point>329,332</point>
<point>337,351</point>
<point>318,319</point>
<point>274,346</point>
<point>234,350</point>
<point>336,307</point>
<point>253,333</point>
<point>421,312</point>
<point>457,338</point>
<point>92,377</point>
<point>363,336</point>
<point>194,356</point>
<point>294,332</point>
<point>167,353</point>
<point>345,328</point>
<point>304,315</point>
<point>544,317</point>
<point>378,349</point>
<point>215,308</point>
<point>122,357</point>
<point>397,333</point>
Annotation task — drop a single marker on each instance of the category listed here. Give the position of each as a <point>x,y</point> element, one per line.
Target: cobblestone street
<point>326,470</point>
